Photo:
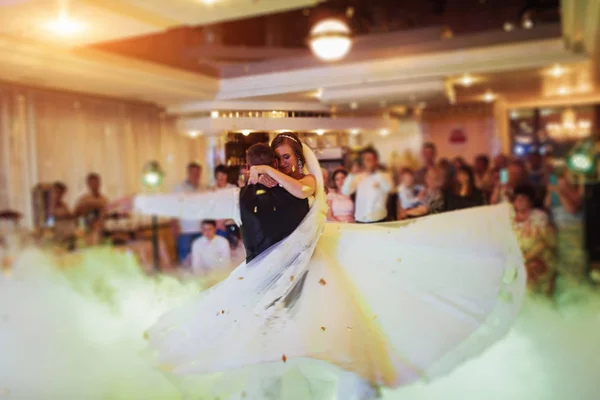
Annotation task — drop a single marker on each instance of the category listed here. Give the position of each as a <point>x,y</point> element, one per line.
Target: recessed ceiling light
<point>466,80</point>
<point>214,114</point>
<point>489,96</point>
<point>354,131</point>
<point>563,90</point>
<point>320,132</point>
<point>246,132</point>
<point>509,26</point>
<point>65,26</point>
<point>209,2</point>
<point>527,23</point>
<point>194,134</point>
<point>384,132</point>
<point>354,105</point>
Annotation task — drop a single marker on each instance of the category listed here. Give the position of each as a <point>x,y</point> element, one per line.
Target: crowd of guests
<point>546,207</point>
<point>546,202</point>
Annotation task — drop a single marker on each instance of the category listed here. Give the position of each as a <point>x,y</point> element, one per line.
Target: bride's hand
<point>253,176</point>
<point>267,181</point>
<point>255,172</point>
<point>123,205</point>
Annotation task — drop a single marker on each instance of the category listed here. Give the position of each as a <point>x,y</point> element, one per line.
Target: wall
<point>401,146</point>
<point>47,136</point>
<point>479,130</point>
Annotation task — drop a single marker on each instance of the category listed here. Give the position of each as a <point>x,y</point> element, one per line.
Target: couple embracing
<point>332,310</point>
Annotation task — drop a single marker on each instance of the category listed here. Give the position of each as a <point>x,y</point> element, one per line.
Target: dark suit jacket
<point>268,216</point>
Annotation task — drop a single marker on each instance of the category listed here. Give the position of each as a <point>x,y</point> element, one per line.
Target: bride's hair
<point>292,140</point>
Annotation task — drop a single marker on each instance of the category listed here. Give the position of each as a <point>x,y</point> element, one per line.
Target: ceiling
<point>190,56</point>
<point>110,20</point>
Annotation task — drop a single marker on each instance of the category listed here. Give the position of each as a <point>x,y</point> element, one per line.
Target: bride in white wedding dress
<point>389,304</point>
<point>375,305</point>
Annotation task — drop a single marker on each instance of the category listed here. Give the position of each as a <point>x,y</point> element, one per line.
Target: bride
<point>388,304</point>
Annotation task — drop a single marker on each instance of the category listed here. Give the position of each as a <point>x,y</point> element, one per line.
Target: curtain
<point>48,136</point>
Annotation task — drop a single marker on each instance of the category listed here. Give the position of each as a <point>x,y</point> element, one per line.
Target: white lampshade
<point>330,40</point>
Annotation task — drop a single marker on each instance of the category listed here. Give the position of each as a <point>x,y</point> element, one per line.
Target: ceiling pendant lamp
<point>330,40</point>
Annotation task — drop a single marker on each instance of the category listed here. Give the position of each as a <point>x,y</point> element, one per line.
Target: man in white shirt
<point>372,187</point>
<point>186,231</point>
<point>210,252</point>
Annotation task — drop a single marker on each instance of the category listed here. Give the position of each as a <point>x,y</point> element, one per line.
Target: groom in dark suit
<point>268,215</point>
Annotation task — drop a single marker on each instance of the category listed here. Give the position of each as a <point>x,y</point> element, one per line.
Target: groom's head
<point>261,154</point>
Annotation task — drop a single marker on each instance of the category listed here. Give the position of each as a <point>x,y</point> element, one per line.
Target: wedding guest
<point>428,155</point>
<point>221,176</point>
<point>481,172</point>
<point>536,239</point>
<point>433,197</point>
<point>463,193</point>
<point>243,177</point>
<point>186,231</point>
<point>91,205</point>
<point>210,252</point>
<point>372,187</point>
<point>64,220</point>
<point>565,201</point>
<point>341,207</point>
<point>516,176</point>
<point>408,191</point>
<point>501,161</point>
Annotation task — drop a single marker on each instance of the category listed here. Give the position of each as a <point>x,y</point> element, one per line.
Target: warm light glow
<point>467,80</point>
<point>319,93</point>
<point>354,132</point>
<point>509,26</point>
<point>557,71</point>
<point>527,23</point>
<point>354,105</point>
<point>214,114</point>
<point>151,179</point>
<point>320,132</point>
<point>65,26</point>
<point>152,174</point>
<point>330,40</point>
<point>384,132</point>
<point>246,132</point>
<point>585,124</point>
<point>209,2</point>
<point>570,127</point>
<point>489,96</point>
<point>194,134</point>
<point>563,91</point>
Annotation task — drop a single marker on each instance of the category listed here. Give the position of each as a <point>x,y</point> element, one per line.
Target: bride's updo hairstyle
<point>292,140</point>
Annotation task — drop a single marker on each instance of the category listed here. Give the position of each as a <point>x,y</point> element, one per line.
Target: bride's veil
<point>314,168</point>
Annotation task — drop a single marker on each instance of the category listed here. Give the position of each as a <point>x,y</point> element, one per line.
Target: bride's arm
<point>222,204</point>
<point>302,188</point>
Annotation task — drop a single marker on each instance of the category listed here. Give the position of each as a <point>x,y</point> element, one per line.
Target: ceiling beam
<point>134,12</point>
<point>407,68</point>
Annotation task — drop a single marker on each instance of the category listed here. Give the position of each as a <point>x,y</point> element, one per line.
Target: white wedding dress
<point>388,304</point>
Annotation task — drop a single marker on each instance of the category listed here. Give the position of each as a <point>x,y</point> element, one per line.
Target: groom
<point>266,215</point>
